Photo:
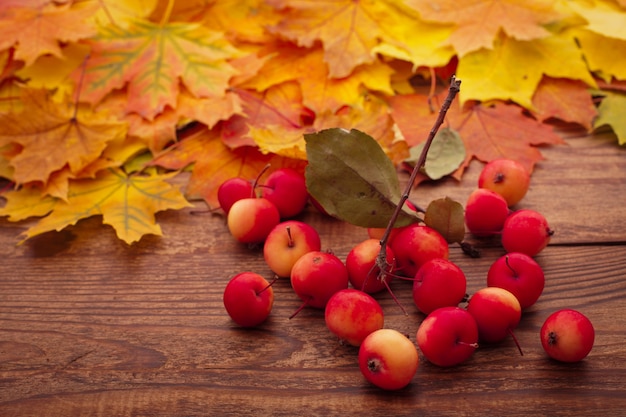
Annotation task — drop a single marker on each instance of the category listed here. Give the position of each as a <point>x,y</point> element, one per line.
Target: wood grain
<point>92,327</point>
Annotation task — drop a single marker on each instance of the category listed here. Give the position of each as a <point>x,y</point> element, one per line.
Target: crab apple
<point>448,336</point>
<point>485,212</point>
<point>362,270</point>
<point>497,313</point>
<point>250,220</point>
<point>286,188</point>
<point>506,177</point>
<point>414,245</point>
<point>232,190</point>
<point>286,243</point>
<point>520,274</point>
<point>248,299</point>
<point>438,283</point>
<point>526,231</point>
<point>388,359</point>
<point>567,335</point>
<point>352,315</point>
<point>316,276</point>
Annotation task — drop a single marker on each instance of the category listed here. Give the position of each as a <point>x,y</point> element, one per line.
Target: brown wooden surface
<point>92,327</point>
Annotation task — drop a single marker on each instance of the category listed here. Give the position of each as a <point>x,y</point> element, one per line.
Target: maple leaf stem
<point>453,90</point>
<point>79,87</point>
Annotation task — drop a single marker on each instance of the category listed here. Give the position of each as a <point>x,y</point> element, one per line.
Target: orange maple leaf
<point>488,131</point>
<point>52,135</point>
<point>38,28</point>
<point>566,100</point>
<point>348,30</point>
<point>213,163</point>
<point>479,22</point>
<point>152,60</point>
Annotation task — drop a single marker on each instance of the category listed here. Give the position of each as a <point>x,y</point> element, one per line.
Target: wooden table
<point>92,327</point>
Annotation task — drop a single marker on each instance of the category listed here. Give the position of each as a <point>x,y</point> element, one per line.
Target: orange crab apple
<point>286,243</point>
<point>388,359</point>
<point>250,220</point>
<point>352,315</point>
<point>506,177</point>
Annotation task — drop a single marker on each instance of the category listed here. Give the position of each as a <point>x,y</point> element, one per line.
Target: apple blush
<point>352,315</point>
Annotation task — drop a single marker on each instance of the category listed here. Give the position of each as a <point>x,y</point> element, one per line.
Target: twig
<point>455,86</point>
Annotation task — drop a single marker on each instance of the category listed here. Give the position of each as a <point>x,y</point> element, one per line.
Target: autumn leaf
<point>213,163</point>
<point>349,31</point>
<point>25,203</point>
<point>612,112</point>
<point>600,54</point>
<point>478,22</point>
<point>566,100</point>
<point>493,131</point>
<point>52,136</point>
<point>445,155</point>
<point>152,60</point>
<point>513,69</point>
<point>128,203</point>
<point>40,29</point>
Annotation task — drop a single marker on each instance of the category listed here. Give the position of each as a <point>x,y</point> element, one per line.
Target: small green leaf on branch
<point>445,155</point>
<point>353,179</point>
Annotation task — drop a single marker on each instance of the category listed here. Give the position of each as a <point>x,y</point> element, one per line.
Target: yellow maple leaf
<point>152,60</point>
<point>319,92</point>
<point>128,203</point>
<point>603,17</point>
<point>53,135</point>
<point>41,29</point>
<point>513,69</point>
<point>120,13</point>
<point>348,30</point>
<point>243,20</point>
<point>605,56</point>
<point>479,22</point>
<point>25,203</point>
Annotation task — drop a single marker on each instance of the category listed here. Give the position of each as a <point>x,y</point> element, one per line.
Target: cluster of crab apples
<point>449,334</point>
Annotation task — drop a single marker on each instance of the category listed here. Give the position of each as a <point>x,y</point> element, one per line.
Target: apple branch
<point>455,87</point>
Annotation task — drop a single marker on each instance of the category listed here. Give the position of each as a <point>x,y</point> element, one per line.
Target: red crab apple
<point>316,276</point>
<point>506,177</point>
<point>485,212</point>
<point>567,335</point>
<point>352,315</point>
<point>526,231</point>
<point>497,313</point>
<point>520,274</point>
<point>363,273</point>
<point>232,190</point>
<point>388,359</point>
<point>438,283</point>
<point>286,243</point>
<point>286,188</point>
<point>448,336</point>
<point>415,245</point>
<point>250,220</point>
<point>248,299</point>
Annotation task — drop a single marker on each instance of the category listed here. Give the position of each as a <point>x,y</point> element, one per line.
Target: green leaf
<point>446,216</point>
<point>352,178</point>
<point>445,155</point>
<point>612,112</point>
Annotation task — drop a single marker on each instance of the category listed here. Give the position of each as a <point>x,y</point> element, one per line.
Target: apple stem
<point>394,297</point>
<point>255,184</point>
<point>290,242</point>
<point>269,285</point>
<point>506,261</point>
<point>516,342</point>
<point>302,307</point>
<point>453,90</point>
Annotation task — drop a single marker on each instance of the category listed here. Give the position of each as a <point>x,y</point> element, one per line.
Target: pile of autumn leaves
<point>104,102</point>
